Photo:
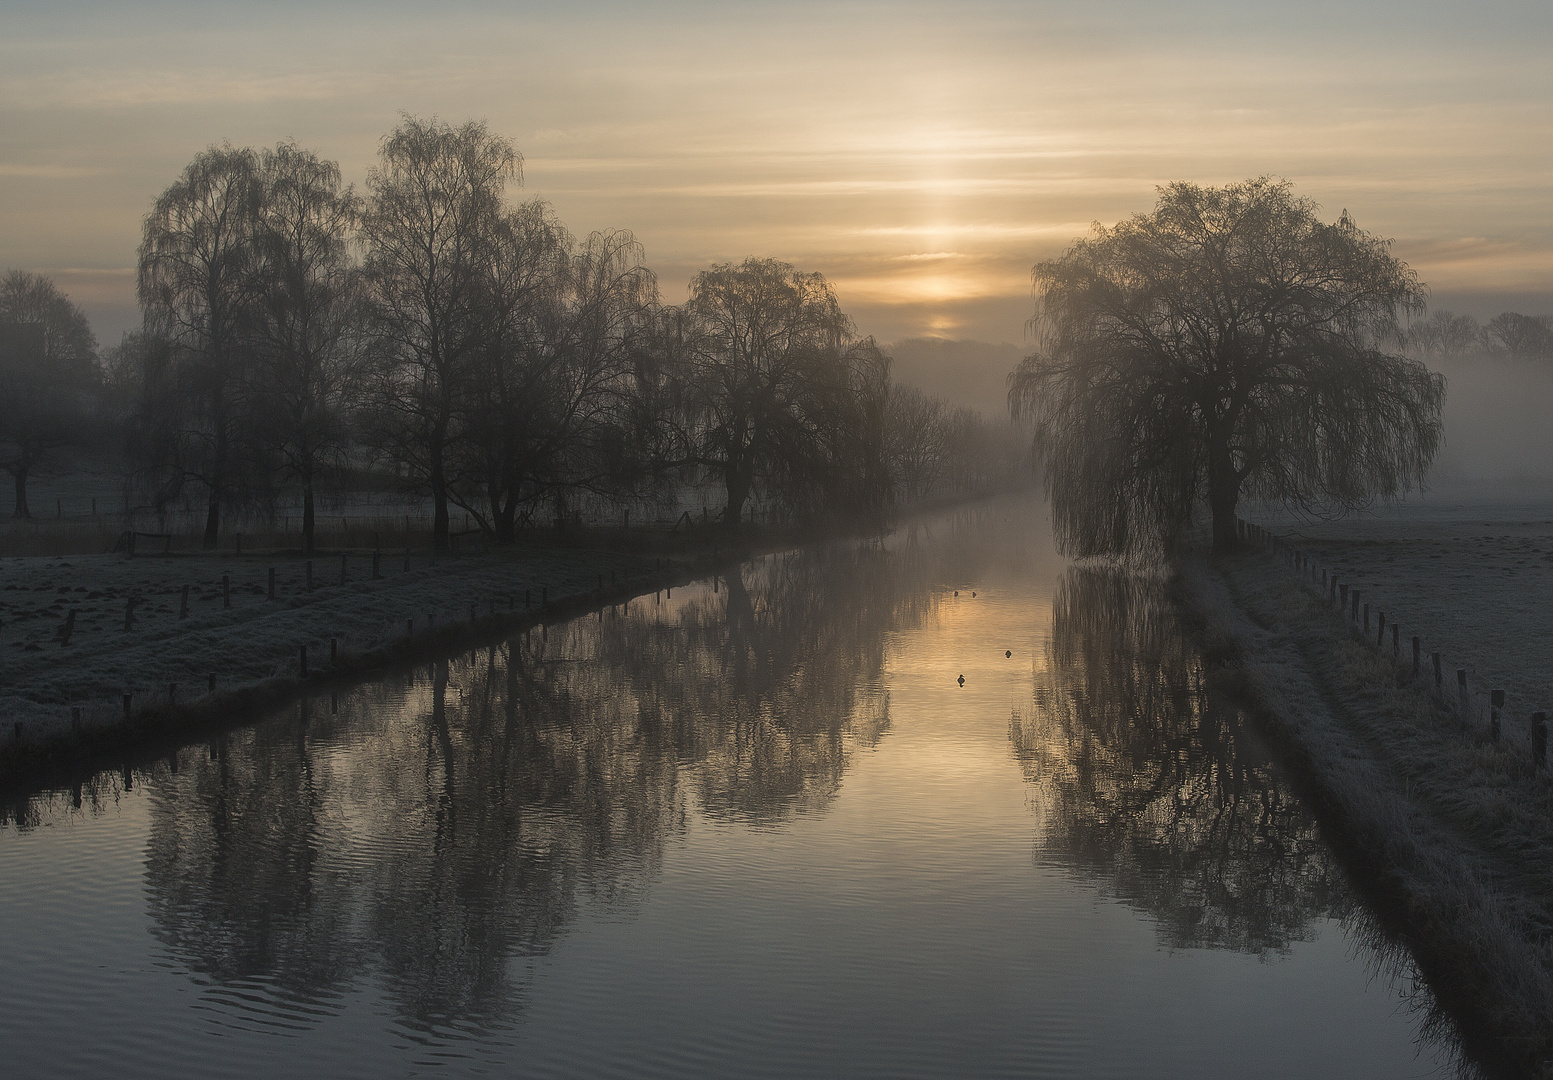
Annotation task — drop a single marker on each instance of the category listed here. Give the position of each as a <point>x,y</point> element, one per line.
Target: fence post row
<point>1348,600</point>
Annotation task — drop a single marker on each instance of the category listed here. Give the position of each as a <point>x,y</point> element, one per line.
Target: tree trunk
<point>307,514</point>
<point>213,520</point>
<point>20,475</point>
<point>505,522</point>
<point>439,513</point>
<point>1223,496</point>
<point>738,484</point>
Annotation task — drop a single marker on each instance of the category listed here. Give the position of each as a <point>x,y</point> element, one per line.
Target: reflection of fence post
<point>1495,703</point>
<point>226,591</point>
<point>1539,739</point>
<point>183,604</point>
<point>310,575</point>
<point>302,661</point>
<point>1439,677</point>
<point>1416,655</point>
<point>1396,644</point>
<point>1380,630</point>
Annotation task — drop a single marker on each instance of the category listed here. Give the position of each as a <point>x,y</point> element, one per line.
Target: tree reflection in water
<point>442,826</point>
<point>1151,783</point>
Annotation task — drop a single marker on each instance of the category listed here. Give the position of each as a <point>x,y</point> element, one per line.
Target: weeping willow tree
<point>1228,345</point>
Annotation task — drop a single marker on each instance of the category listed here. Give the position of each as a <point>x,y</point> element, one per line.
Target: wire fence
<point>1482,711</point>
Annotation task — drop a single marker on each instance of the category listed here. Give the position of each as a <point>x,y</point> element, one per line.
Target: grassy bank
<point>206,642</point>
<point>1452,832</point>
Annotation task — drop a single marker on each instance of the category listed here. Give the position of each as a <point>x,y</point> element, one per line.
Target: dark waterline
<point>758,830</point>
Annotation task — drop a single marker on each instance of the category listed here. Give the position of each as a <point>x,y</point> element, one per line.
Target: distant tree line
<point>1508,334</point>
<point>430,330</point>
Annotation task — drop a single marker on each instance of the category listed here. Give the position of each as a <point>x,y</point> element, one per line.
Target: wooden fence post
<point>1366,620</point>
<point>1354,614</point>
<point>1380,632</point>
<point>272,583</point>
<point>1396,644</point>
<point>1463,698</point>
<point>1439,678</point>
<point>1495,703</point>
<point>1416,655</point>
<point>310,575</point>
<point>1539,739</point>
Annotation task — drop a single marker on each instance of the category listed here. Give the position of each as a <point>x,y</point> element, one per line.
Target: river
<point>755,827</point>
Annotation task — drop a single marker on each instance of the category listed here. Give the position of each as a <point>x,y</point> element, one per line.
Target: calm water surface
<point>755,829</point>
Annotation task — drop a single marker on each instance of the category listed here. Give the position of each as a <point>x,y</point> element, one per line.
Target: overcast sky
<point>921,156</point>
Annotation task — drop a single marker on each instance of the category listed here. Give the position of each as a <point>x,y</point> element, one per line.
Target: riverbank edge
<point>149,732</point>
<point>1330,703</point>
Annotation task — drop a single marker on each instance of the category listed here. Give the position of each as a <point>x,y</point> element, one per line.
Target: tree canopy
<point>48,366</point>
<point>1229,344</point>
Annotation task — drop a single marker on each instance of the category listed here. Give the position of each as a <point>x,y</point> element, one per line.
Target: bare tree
<point>1524,337</point>
<point>196,287</point>
<point>434,212</point>
<point>1224,345</point>
<point>917,433</point>
<point>306,320</point>
<point>48,369</point>
<point>768,351</point>
<point>1444,334</point>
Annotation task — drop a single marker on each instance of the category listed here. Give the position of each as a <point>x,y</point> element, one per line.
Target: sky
<point>922,156</point>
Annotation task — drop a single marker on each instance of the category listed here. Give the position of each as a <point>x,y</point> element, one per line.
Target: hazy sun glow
<point>922,156</point>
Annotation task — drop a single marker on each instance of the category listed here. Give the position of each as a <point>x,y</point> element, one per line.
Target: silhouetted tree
<point>1524,337</point>
<point>1444,334</point>
<point>434,213</point>
<point>306,320</point>
<point>917,430</point>
<point>547,414</point>
<point>771,361</point>
<point>196,286</point>
<point>48,370</point>
<point>1224,345</point>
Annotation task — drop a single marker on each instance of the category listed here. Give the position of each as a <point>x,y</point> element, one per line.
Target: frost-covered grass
<point>254,639</point>
<point>1453,831</point>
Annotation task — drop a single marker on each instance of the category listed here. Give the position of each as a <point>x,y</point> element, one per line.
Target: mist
<point>1497,428</point>
<point>973,374</point>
